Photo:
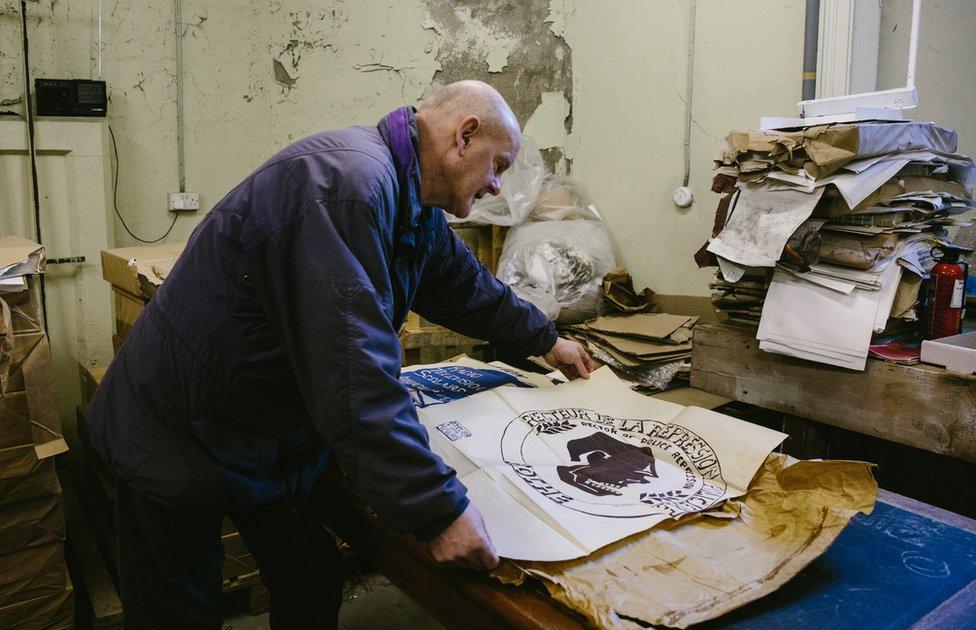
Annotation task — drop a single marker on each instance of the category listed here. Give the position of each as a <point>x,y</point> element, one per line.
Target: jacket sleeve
<point>458,292</point>
<point>315,279</point>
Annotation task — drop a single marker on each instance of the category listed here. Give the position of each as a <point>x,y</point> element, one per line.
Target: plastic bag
<point>564,259</point>
<point>563,198</point>
<point>540,299</point>
<point>520,189</point>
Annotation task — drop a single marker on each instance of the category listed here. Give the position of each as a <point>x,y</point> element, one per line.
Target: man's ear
<point>468,127</point>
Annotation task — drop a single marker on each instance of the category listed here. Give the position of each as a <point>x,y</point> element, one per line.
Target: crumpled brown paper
<point>686,572</point>
<point>618,289</point>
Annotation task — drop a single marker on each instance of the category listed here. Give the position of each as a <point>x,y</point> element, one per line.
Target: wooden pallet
<point>422,342</point>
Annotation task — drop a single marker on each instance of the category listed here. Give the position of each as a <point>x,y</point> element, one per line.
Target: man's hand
<point>465,542</point>
<point>570,358</point>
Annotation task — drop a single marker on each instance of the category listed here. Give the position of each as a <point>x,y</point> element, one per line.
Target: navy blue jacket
<point>273,342</point>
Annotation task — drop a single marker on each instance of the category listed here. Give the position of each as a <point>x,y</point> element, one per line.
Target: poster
<point>561,470</point>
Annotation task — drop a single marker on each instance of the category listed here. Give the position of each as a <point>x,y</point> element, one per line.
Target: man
<point>272,346</point>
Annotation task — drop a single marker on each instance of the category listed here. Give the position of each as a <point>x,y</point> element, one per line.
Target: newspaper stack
<point>845,216</point>
<point>648,349</point>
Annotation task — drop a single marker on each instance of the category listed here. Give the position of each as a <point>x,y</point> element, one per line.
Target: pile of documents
<point>742,300</point>
<point>649,349</point>
<point>844,216</point>
<point>631,510</point>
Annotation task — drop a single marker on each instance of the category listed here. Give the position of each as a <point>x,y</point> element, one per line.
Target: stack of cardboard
<point>648,349</point>
<point>742,300</point>
<point>135,273</point>
<point>35,590</point>
<point>841,219</point>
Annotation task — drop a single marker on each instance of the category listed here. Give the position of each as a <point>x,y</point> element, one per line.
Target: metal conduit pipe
<point>811,35</point>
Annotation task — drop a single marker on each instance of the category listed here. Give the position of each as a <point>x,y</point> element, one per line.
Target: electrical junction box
<point>184,201</point>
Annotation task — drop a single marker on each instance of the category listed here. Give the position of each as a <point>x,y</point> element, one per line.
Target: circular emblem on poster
<point>612,467</point>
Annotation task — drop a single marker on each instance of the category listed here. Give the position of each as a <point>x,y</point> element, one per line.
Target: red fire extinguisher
<point>946,292</point>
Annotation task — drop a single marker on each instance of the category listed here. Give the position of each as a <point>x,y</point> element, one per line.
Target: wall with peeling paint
<point>347,62</point>
<point>600,85</point>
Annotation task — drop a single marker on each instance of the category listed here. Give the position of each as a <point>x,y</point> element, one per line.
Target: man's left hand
<point>570,358</point>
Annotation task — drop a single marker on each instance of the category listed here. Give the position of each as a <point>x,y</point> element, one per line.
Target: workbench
<point>905,564</point>
<point>918,405</point>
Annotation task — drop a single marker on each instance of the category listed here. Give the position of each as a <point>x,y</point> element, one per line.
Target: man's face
<point>477,171</point>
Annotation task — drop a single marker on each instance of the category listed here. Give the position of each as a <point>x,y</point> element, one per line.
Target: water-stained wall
<point>258,75</point>
<point>600,85</point>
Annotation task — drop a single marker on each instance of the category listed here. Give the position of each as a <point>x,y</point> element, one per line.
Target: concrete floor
<point>369,602</point>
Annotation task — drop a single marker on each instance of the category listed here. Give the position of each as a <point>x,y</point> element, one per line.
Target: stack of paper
<point>846,216</point>
<point>646,348</point>
<point>19,258</point>
<point>742,300</point>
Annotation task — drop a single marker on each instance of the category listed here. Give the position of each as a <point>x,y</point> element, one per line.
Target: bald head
<point>465,98</point>
<point>468,137</point>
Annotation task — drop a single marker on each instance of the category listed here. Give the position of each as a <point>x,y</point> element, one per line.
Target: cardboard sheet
<point>561,471</point>
<point>654,326</point>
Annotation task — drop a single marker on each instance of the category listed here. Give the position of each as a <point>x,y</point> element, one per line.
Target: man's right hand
<point>465,542</point>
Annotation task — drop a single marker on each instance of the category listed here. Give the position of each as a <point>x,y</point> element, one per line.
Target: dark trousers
<point>170,565</point>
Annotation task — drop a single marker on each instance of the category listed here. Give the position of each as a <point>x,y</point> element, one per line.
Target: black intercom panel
<point>70,97</point>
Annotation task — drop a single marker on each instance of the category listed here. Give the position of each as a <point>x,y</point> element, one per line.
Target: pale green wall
<point>946,69</point>
<point>946,66</point>
<point>629,65</point>
<point>625,86</point>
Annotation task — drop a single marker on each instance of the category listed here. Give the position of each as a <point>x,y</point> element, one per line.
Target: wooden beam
<point>917,405</point>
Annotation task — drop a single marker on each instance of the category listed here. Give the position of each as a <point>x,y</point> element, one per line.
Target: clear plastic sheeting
<point>564,259</point>
<point>542,300</point>
<point>520,188</point>
<point>563,198</point>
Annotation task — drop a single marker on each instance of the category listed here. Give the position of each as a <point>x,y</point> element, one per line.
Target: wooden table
<point>470,600</point>
<point>917,405</point>
<point>455,597</point>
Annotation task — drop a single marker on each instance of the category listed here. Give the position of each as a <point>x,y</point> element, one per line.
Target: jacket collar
<point>399,130</point>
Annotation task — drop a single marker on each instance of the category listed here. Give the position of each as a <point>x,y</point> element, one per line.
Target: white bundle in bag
<point>566,260</point>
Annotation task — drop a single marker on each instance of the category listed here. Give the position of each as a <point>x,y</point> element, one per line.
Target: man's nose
<point>495,187</point>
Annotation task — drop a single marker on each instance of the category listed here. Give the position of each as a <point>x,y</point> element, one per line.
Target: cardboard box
<point>140,270</point>
<point>91,376</point>
<point>30,429</point>
<point>15,350</point>
<point>31,523</point>
<point>21,310</point>
<point>128,308</point>
<point>17,568</point>
<point>40,480</point>
<point>51,611</point>
<point>957,353</point>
